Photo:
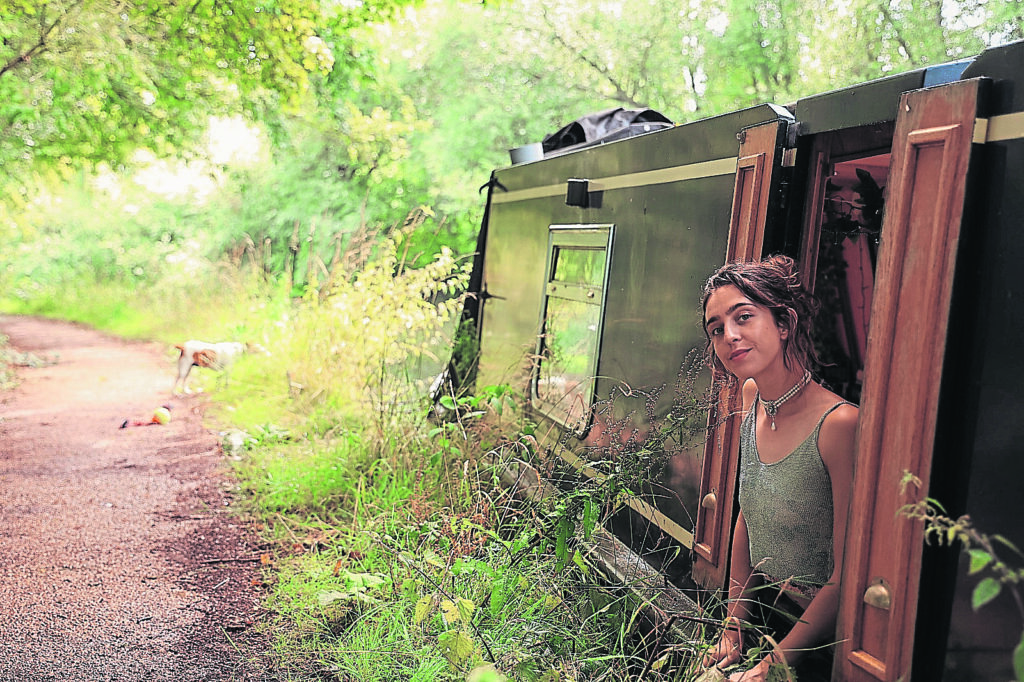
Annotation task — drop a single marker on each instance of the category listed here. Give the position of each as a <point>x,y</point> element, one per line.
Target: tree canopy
<point>375,108</point>
<point>87,81</point>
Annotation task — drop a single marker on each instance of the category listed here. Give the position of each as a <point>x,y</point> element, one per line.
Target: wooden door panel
<point>813,208</point>
<point>759,148</point>
<point>906,344</point>
<point>758,157</point>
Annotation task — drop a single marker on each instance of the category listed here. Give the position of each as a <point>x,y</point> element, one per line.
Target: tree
<point>372,114</point>
<point>90,81</point>
<point>865,39</point>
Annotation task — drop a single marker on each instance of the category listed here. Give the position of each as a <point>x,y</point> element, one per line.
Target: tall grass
<point>403,565</point>
<point>396,555</point>
<point>399,557</point>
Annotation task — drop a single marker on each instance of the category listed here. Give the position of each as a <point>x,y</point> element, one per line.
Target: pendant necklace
<point>771,407</point>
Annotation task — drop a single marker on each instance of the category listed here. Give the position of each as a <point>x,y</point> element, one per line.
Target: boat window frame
<point>577,415</point>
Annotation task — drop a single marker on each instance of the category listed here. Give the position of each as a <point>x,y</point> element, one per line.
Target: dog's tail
<point>181,349</point>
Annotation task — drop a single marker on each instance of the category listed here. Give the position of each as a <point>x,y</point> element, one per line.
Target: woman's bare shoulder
<point>748,390</point>
<point>838,432</point>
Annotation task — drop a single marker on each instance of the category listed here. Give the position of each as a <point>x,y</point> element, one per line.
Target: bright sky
<point>231,141</point>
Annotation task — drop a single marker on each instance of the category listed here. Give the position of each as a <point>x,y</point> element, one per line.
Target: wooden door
<point>759,155</point>
<point>821,156</point>
<point>906,343</point>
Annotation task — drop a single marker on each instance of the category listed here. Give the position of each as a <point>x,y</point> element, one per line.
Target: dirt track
<point>120,558</point>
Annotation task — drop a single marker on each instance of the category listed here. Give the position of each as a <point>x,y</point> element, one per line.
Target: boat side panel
<point>982,440</point>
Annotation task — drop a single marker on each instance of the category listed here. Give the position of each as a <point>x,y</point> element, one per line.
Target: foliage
<point>396,555</point>
<point>553,62</point>
<point>92,80</point>
<point>401,562</point>
<point>375,328</point>
<point>410,563</point>
<point>113,257</point>
<point>329,193</point>
<point>370,108</point>
<point>985,553</point>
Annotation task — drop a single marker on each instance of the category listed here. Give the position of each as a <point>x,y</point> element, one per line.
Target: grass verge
<point>397,556</point>
<point>409,563</point>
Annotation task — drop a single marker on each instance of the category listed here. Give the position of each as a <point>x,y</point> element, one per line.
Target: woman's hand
<point>759,673</point>
<point>725,652</point>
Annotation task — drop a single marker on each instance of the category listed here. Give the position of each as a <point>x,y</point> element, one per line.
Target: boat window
<point>570,329</point>
<point>579,265</point>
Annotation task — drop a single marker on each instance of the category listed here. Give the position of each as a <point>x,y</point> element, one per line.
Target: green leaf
<point>327,598</point>
<point>590,512</point>
<point>458,610</point>
<point>447,402</point>
<point>433,559</point>
<point>457,646</point>
<point>984,592</point>
<point>422,609</point>
<point>499,597</point>
<point>450,612</point>
<point>979,560</point>
<point>364,581</point>
<point>1018,660</point>
<point>661,662</point>
<point>577,559</point>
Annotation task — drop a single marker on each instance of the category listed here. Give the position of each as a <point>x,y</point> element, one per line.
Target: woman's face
<point>743,334</point>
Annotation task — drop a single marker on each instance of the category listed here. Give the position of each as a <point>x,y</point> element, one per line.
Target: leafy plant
<point>358,346</point>
<point>986,554</point>
<point>633,435</point>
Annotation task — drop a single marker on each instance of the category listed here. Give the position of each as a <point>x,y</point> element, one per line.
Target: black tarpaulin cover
<point>605,126</point>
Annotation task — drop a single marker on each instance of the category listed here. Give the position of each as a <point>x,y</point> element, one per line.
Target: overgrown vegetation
<point>987,557</point>
<point>400,557</point>
<point>396,555</point>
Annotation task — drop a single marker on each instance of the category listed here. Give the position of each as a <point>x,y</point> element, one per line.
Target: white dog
<point>216,356</point>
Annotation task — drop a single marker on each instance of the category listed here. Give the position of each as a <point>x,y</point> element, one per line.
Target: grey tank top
<point>788,509</point>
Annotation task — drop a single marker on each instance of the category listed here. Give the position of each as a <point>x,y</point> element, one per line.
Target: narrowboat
<point>902,200</point>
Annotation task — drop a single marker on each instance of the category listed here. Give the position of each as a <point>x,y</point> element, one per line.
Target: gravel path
<point>120,557</point>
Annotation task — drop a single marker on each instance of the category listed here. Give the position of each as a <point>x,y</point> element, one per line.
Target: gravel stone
<point>121,558</point>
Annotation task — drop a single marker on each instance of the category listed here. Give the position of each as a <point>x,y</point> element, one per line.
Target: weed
<point>985,552</point>
<point>11,359</point>
<point>394,553</point>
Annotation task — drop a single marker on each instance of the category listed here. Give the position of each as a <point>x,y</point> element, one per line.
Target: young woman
<point>796,466</point>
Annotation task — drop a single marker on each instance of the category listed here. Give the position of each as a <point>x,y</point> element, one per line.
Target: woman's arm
<point>728,649</point>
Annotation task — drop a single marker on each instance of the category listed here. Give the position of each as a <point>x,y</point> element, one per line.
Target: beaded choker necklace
<point>771,407</point>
